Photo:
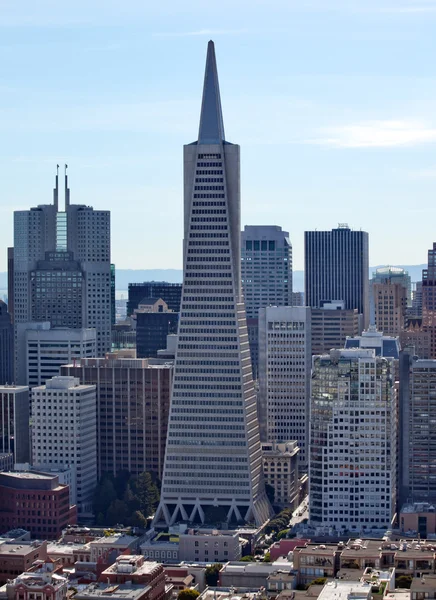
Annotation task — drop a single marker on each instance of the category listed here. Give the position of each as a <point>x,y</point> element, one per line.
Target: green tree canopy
<point>212,574</point>
<point>188,594</point>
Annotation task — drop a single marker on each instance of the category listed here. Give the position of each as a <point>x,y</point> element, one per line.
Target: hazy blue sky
<point>332,101</point>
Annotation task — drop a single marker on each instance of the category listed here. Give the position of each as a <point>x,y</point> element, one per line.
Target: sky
<point>332,102</point>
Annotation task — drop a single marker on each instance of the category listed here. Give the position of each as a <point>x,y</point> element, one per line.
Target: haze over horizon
<point>332,106</point>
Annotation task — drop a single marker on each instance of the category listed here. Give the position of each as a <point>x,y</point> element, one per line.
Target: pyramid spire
<point>211,121</point>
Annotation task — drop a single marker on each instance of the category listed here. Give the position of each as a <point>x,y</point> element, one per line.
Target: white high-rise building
<point>285,360</point>
<point>61,267</point>
<point>64,432</point>
<point>353,434</point>
<point>47,349</point>
<point>213,462</point>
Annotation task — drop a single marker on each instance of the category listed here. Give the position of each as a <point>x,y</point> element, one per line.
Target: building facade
<point>15,422</point>
<point>284,375</point>
<point>331,325</point>
<point>152,329</point>
<point>133,399</point>
<point>429,299</point>
<point>213,463</point>
<point>353,437</point>
<point>48,348</point>
<point>280,468</point>
<point>389,299</point>
<point>418,440</point>
<point>266,275</point>
<point>336,268</point>
<point>64,432</point>
<point>62,268</point>
<point>170,292</point>
<point>6,346</point>
<point>24,495</point>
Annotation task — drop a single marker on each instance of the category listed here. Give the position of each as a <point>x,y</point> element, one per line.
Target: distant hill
<point>126,276</point>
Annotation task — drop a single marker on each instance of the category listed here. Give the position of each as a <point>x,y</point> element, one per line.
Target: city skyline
<point>334,93</point>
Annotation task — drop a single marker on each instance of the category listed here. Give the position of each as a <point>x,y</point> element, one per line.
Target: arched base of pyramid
<point>212,511</point>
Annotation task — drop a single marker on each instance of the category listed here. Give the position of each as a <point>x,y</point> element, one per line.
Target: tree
<point>212,574</point>
<point>247,558</point>
<point>188,594</point>
<point>319,581</point>
<point>117,513</point>
<point>104,495</point>
<point>147,494</point>
<point>403,581</point>
<point>267,557</point>
<point>283,533</point>
<point>121,481</point>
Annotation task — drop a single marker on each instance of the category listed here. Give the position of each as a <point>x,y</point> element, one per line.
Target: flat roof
<point>70,547</point>
<point>114,540</point>
<point>19,549</point>
<point>101,590</point>
<point>345,590</point>
<point>146,568</point>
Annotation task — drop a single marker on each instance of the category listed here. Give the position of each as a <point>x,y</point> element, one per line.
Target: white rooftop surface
<point>345,590</point>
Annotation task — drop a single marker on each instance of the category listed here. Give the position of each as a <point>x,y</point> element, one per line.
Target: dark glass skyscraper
<point>336,268</point>
<point>170,292</point>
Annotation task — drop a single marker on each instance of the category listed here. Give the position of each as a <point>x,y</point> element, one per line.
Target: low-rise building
<point>280,580</point>
<point>312,561</point>
<point>164,547</point>
<point>283,547</point>
<point>423,588</point>
<point>42,583</point>
<point>133,569</point>
<point>250,574</point>
<point>345,590</point>
<point>69,553</point>
<point>113,544</point>
<point>17,558</point>
<point>108,591</point>
<point>418,517</point>
<point>209,546</point>
<point>280,468</point>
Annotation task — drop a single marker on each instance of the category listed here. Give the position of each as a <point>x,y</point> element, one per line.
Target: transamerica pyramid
<point>213,464</point>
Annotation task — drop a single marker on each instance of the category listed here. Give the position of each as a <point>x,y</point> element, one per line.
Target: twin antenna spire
<point>56,190</point>
<point>211,121</point>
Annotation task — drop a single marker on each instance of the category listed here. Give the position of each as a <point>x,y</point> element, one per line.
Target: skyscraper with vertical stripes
<point>213,464</point>
<point>336,268</point>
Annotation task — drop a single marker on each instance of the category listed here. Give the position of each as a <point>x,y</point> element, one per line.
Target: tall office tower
<point>171,293</point>
<point>6,346</point>
<point>336,268</point>
<point>14,422</point>
<point>390,295</point>
<point>213,462</point>
<point>429,299</point>
<point>285,359</point>
<point>331,325</point>
<point>154,322</point>
<point>266,276</point>
<point>113,299</point>
<point>47,349</point>
<point>11,283</point>
<point>64,432</point>
<point>418,440</point>
<point>133,401</point>
<point>353,454</point>
<point>417,299</point>
<point>62,269</point>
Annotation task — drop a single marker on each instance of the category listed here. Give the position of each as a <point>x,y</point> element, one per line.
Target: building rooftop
<point>66,548</point>
<point>21,549</point>
<point>124,591</point>
<point>13,388</point>
<point>423,584</point>
<point>418,507</point>
<point>115,540</point>
<point>229,593</point>
<point>132,564</point>
<point>318,549</point>
<point>345,590</point>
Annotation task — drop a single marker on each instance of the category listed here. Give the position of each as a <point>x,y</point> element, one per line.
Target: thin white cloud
<point>377,134</point>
